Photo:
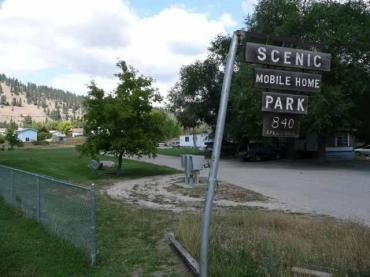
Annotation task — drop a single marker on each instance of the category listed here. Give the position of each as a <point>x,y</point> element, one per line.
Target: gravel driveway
<point>341,189</point>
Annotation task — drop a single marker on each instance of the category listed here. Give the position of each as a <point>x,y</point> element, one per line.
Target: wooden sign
<point>280,125</point>
<point>287,80</point>
<point>287,57</point>
<point>284,103</point>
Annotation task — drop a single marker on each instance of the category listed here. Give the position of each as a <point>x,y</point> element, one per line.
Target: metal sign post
<point>212,178</point>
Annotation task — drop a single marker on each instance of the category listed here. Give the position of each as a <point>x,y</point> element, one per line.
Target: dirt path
<point>170,193</point>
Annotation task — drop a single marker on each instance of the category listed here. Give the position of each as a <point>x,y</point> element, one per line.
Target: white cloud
<point>85,38</point>
<point>248,6</point>
<point>81,81</point>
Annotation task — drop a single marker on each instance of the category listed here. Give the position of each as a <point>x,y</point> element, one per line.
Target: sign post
<point>212,177</point>
<point>284,109</point>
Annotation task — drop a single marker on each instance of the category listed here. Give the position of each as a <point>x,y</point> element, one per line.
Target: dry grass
<point>260,243</point>
<point>224,191</point>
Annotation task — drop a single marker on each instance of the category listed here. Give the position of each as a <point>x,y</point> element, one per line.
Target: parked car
<point>228,148</point>
<point>260,152</point>
<point>363,150</point>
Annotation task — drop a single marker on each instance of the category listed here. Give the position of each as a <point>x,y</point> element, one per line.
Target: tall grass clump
<point>262,243</point>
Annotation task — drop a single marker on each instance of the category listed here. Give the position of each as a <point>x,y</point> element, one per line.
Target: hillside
<point>41,103</point>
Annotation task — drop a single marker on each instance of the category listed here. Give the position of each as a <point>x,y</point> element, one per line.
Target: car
<point>363,150</point>
<point>260,152</point>
<point>228,148</point>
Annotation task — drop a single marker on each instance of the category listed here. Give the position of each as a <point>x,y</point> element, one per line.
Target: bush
<point>41,136</point>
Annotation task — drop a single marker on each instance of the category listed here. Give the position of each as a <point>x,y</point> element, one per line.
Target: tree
<point>11,136</point>
<point>337,28</point>
<point>27,121</point>
<point>3,100</point>
<point>170,126</point>
<point>194,98</point>
<point>327,26</point>
<point>65,126</point>
<point>122,123</point>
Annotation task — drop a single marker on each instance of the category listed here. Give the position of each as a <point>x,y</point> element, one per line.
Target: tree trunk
<point>322,146</point>
<point>119,166</point>
<point>195,140</point>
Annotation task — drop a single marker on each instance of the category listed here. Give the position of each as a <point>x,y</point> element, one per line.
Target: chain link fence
<point>65,209</point>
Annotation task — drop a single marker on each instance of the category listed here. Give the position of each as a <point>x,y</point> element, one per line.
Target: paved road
<point>340,190</point>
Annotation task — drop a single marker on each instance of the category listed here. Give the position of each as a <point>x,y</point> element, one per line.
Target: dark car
<point>228,148</point>
<point>260,152</point>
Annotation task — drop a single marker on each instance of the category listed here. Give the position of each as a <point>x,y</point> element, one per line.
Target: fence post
<point>38,198</point>
<point>93,224</point>
<point>12,202</point>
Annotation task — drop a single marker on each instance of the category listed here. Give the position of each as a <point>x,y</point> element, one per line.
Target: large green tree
<point>327,26</point>
<point>194,98</point>
<point>124,122</point>
<point>337,28</point>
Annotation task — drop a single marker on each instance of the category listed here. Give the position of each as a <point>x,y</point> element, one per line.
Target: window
<point>27,139</point>
<point>342,140</point>
<point>186,139</point>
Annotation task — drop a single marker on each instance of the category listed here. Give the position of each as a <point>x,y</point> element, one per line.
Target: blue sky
<point>68,43</point>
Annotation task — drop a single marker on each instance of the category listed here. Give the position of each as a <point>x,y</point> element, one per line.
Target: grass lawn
<point>129,240</point>
<point>177,151</point>
<point>66,164</point>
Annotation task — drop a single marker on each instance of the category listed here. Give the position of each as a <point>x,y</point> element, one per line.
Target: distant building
<point>56,136</point>
<point>200,140</point>
<point>77,132</point>
<point>26,134</point>
<point>340,146</point>
<point>3,131</point>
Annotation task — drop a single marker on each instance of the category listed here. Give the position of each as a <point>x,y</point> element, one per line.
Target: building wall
<point>27,135</point>
<point>187,140</point>
<point>340,146</point>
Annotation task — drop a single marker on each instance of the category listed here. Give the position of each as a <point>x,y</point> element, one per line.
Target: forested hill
<point>41,103</point>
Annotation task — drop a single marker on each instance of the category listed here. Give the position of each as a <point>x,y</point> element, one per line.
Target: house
<point>340,146</point>
<point>2,132</point>
<point>56,136</point>
<point>26,134</point>
<point>77,132</point>
<point>200,140</point>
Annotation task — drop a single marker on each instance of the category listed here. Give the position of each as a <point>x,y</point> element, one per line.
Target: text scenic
<point>287,57</point>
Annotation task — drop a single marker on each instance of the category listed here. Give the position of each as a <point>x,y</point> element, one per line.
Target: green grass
<point>177,151</point>
<point>130,241</point>
<point>66,164</point>
<point>26,249</point>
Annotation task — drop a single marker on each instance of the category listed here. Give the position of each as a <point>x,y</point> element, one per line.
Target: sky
<point>68,43</point>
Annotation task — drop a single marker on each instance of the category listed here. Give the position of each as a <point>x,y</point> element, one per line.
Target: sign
<point>284,103</point>
<point>280,125</point>
<point>287,57</point>
<point>279,79</point>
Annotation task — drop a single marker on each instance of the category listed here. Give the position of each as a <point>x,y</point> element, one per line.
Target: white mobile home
<point>200,140</point>
<point>26,134</point>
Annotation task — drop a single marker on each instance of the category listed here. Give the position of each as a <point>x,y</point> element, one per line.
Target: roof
<point>20,130</point>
